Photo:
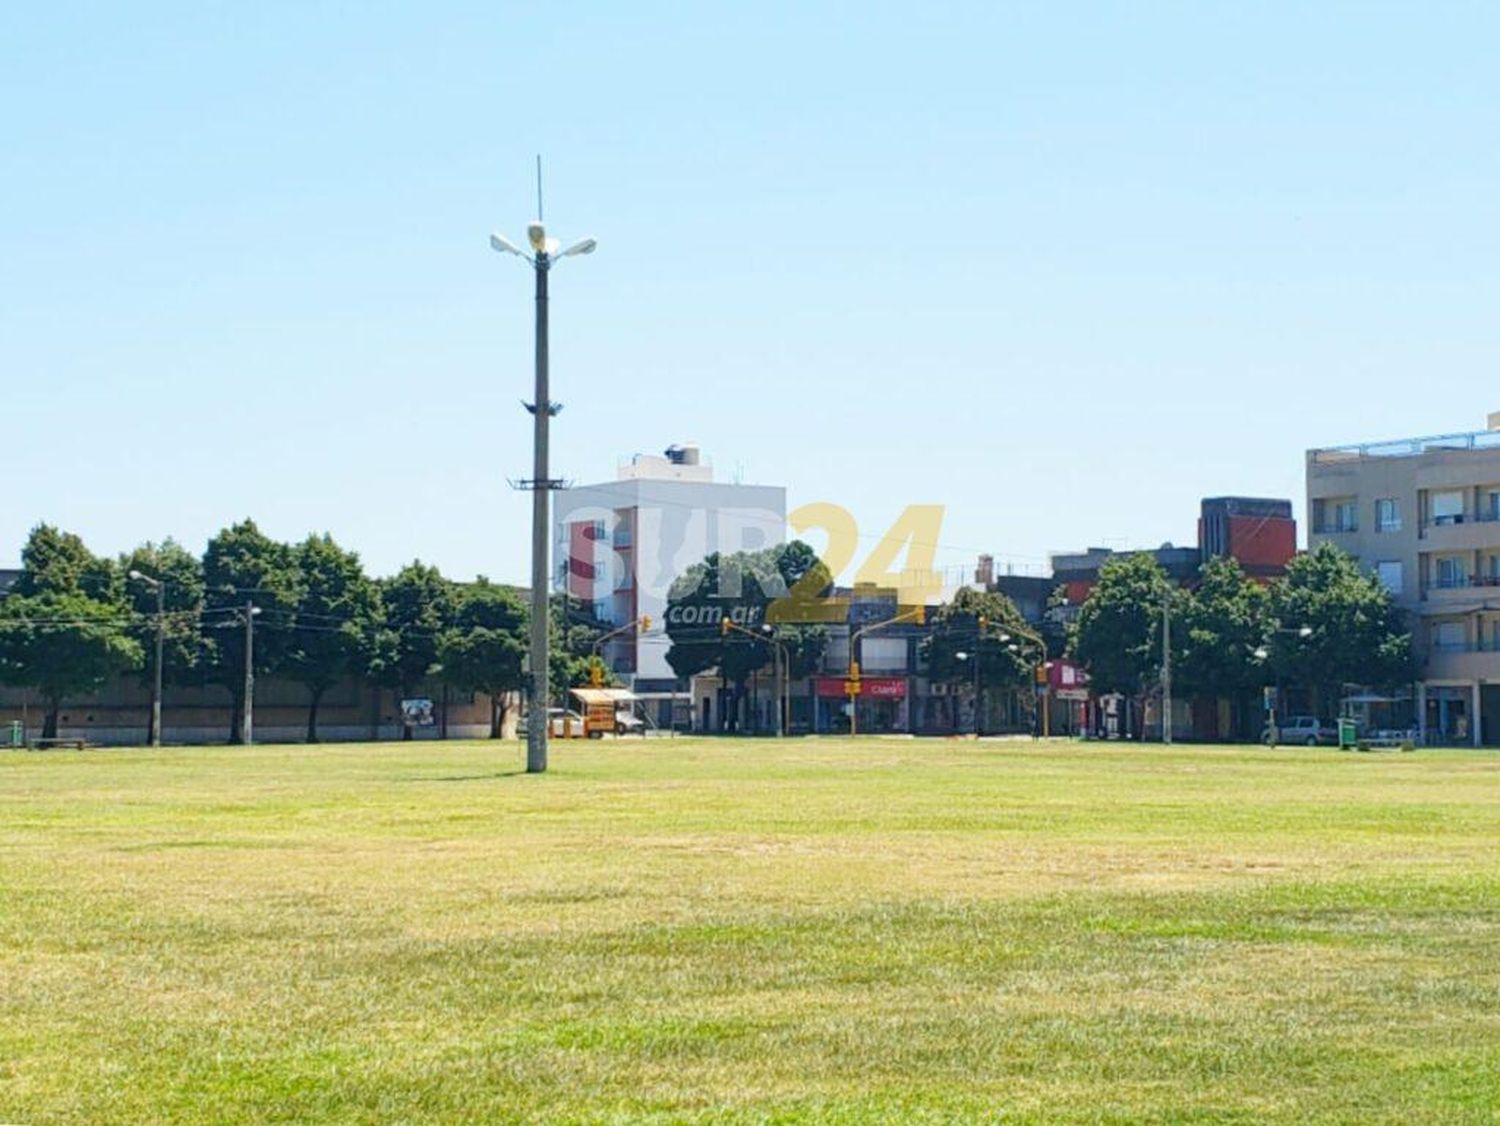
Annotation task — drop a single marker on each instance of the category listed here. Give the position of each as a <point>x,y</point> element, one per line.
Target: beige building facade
<point>1423,515</point>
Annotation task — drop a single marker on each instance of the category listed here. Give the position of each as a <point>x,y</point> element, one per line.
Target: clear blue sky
<point>1062,268</point>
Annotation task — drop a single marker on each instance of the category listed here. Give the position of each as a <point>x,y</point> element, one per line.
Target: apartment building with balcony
<point>1423,514</point>
<point>620,544</point>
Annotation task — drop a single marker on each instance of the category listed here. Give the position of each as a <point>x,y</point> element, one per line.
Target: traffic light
<point>984,622</point>
<point>724,627</point>
<point>645,623</point>
<point>596,674</point>
<point>854,671</point>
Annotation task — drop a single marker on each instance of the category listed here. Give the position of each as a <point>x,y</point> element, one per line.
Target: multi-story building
<point>1257,532</point>
<point>1423,514</point>
<point>622,543</point>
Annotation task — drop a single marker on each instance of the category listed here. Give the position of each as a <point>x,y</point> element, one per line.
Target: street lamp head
<point>1305,631</point>
<point>136,575</point>
<point>536,234</point>
<point>1260,653</point>
<point>961,655</point>
<point>1005,637</point>
<point>582,246</point>
<point>505,246</point>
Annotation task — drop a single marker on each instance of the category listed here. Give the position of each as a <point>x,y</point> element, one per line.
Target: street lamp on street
<point>1260,653</point>
<point>160,587</point>
<point>544,254</point>
<point>780,663</point>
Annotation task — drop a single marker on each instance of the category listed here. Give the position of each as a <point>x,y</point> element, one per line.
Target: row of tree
<point>73,620</point>
<point>781,598</point>
<point>1325,625</point>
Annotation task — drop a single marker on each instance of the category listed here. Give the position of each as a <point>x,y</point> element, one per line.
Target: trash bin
<point>1348,734</point>
<point>17,734</point>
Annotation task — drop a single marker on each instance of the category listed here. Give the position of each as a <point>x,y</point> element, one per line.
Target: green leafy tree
<point>243,565</point>
<point>64,628</point>
<point>742,587</point>
<point>416,609</point>
<point>1118,633</point>
<point>482,650</point>
<point>57,562</point>
<point>182,600</point>
<point>1357,636</point>
<point>998,665</point>
<point>1220,625</point>
<point>337,615</point>
<point>570,649</point>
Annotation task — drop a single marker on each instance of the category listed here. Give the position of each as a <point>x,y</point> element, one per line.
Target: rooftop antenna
<point>539,215</point>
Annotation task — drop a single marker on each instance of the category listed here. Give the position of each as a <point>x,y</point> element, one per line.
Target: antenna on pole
<point>539,215</point>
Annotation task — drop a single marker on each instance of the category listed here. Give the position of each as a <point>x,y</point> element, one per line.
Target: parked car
<point>628,723</point>
<point>1302,729</point>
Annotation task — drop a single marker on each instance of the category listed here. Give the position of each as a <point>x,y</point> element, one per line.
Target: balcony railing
<point>1484,645</point>
<point>1343,529</point>
<point>1462,582</point>
<point>1409,447</point>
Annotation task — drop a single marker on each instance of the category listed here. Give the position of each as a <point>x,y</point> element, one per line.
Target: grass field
<point>748,931</point>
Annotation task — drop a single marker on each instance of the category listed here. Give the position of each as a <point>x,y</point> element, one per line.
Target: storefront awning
<point>603,695</point>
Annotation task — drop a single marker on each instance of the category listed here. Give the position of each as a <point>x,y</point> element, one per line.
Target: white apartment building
<point>1424,515</point>
<point>620,544</point>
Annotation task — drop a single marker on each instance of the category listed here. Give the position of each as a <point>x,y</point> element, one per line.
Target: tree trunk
<point>49,724</point>
<point>497,718</point>
<point>406,730</point>
<point>312,714</point>
<point>443,716</point>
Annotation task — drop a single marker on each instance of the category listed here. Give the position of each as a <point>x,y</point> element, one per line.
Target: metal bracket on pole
<point>552,408</point>
<point>551,484</point>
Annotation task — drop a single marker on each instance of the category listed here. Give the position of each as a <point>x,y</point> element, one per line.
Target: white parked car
<point>1302,729</point>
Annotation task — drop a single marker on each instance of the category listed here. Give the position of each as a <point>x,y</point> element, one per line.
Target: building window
<point>1489,508</point>
<point>1336,515</point>
<point>1387,515</point>
<point>1390,576</point>
<point>1448,507</point>
<point>1448,637</point>
<point>1452,572</point>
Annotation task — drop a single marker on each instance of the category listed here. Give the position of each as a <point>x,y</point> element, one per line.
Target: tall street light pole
<point>1166,668</point>
<point>160,587</point>
<point>247,718</point>
<point>543,256</point>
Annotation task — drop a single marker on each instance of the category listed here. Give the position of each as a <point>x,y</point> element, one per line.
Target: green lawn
<point>748,931</point>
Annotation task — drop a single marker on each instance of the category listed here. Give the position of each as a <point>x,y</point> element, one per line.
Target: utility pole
<point>544,256</point>
<point>247,717</point>
<point>1166,667</point>
<point>161,628</point>
<point>160,587</point>
<point>541,409</point>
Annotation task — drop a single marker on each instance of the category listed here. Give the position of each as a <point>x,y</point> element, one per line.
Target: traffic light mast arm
<point>916,614</point>
<point>597,674</point>
<point>643,623</point>
<point>725,626</point>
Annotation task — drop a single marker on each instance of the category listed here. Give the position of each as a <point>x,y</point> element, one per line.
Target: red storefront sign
<point>876,687</point>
